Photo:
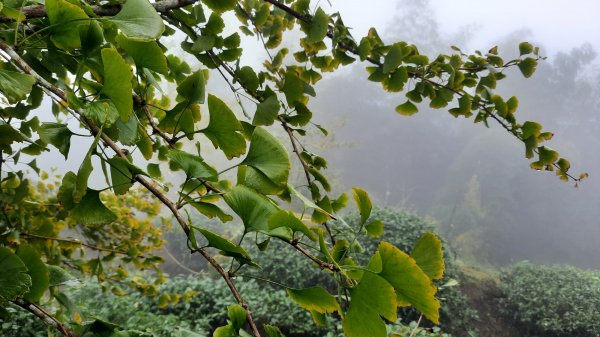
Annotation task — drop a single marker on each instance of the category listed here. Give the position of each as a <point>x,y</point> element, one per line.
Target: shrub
<point>553,300</point>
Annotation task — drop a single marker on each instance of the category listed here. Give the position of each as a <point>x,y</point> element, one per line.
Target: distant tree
<point>105,69</point>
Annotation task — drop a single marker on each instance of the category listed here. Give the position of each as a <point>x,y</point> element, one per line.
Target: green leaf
<point>525,48</point>
<point>429,256</point>
<point>128,130</point>
<point>293,87</point>
<point>15,86</point>
<point>122,174</point>
<point>273,331</point>
<point>266,111</point>
<point>8,135</point>
<point>226,331</point>
<point>393,58</point>
<point>307,202</point>
<point>224,129</point>
<point>318,27</point>
<point>254,209</point>
<point>85,170</point>
<point>220,6</point>
<point>102,112</point>
<point>412,285</point>
<point>65,19</point>
<point>146,54</point>
<point>374,228</point>
<point>91,211</point>
<point>192,88</point>
<point>139,20</point>
<point>315,299</point>
<point>363,202</point>
<point>237,316</point>
<point>255,179</point>
<point>226,247</point>
<point>210,210</point>
<point>289,220</point>
<point>527,66</point>
<point>370,300</point>
<point>58,276</point>
<point>267,155</point>
<point>14,280</point>
<point>36,269</point>
<point>407,109</point>
<point>117,81</point>
<point>193,166</point>
<point>58,135</point>
<point>247,76</point>
<point>203,43</point>
<point>65,192</point>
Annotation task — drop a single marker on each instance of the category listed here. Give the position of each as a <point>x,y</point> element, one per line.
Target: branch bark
<point>46,317</point>
<point>39,11</point>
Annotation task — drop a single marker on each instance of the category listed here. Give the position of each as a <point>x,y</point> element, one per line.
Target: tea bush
<point>553,300</point>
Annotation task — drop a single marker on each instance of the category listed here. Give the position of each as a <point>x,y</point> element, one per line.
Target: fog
<point>475,181</point>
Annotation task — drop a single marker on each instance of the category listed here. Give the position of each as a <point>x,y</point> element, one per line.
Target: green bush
<point>553,300</point>
<point>208,309</point>
<point>17,322</point>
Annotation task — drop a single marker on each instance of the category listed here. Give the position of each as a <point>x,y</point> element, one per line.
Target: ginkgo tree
<point>104,68</point>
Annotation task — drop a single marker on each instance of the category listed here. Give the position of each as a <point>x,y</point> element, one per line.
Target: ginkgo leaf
<point>267,155</point>
<point>102,112</point>
<point>65,18</point>
<point>253,208</point>
<point>318,27</point>
<point>255,179</point>
<point>192,88</point>
<point>370,300</point>
<point>122,174</point>
<point>224,129</point>
<point>315,299</point>
<point>412,285</point>
<point>289,220</point>
<point>58,135</point>
<point>363,202</point>
<point>429,255</point>
<point>36,269</point>
<point>91,211</point>
<point>85,170</point>
<point>14,280</point>
<point>139,20</point>
<point>225,246</point>
<point>117,81</point>
<point>374,228</point>
<point>15,86</point>
<point>146,54</point>
<point>193,165</point>
<point>266,111</point>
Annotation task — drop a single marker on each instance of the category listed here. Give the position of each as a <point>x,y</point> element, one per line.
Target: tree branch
<point>46,317</point>
<point>39,11</point>
<point>21,64</point>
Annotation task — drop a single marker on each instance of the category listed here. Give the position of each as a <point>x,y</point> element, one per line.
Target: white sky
<point>555,24</point>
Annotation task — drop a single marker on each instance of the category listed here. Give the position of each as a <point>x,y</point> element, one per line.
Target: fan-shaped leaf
<point>139,20</point>
<point>267,155</point>
<point>14,280</point>
<point>253,208</point>
<point>429,256</point>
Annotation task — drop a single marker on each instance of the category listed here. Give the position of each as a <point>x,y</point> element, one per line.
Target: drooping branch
<point>39,11</point>
<point>15,58</point>
<point>46,317</point>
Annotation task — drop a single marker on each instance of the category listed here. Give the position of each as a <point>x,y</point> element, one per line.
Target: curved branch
<point>46,317</point>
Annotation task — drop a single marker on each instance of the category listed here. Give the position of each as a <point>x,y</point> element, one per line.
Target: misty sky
<point>556,24</point>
